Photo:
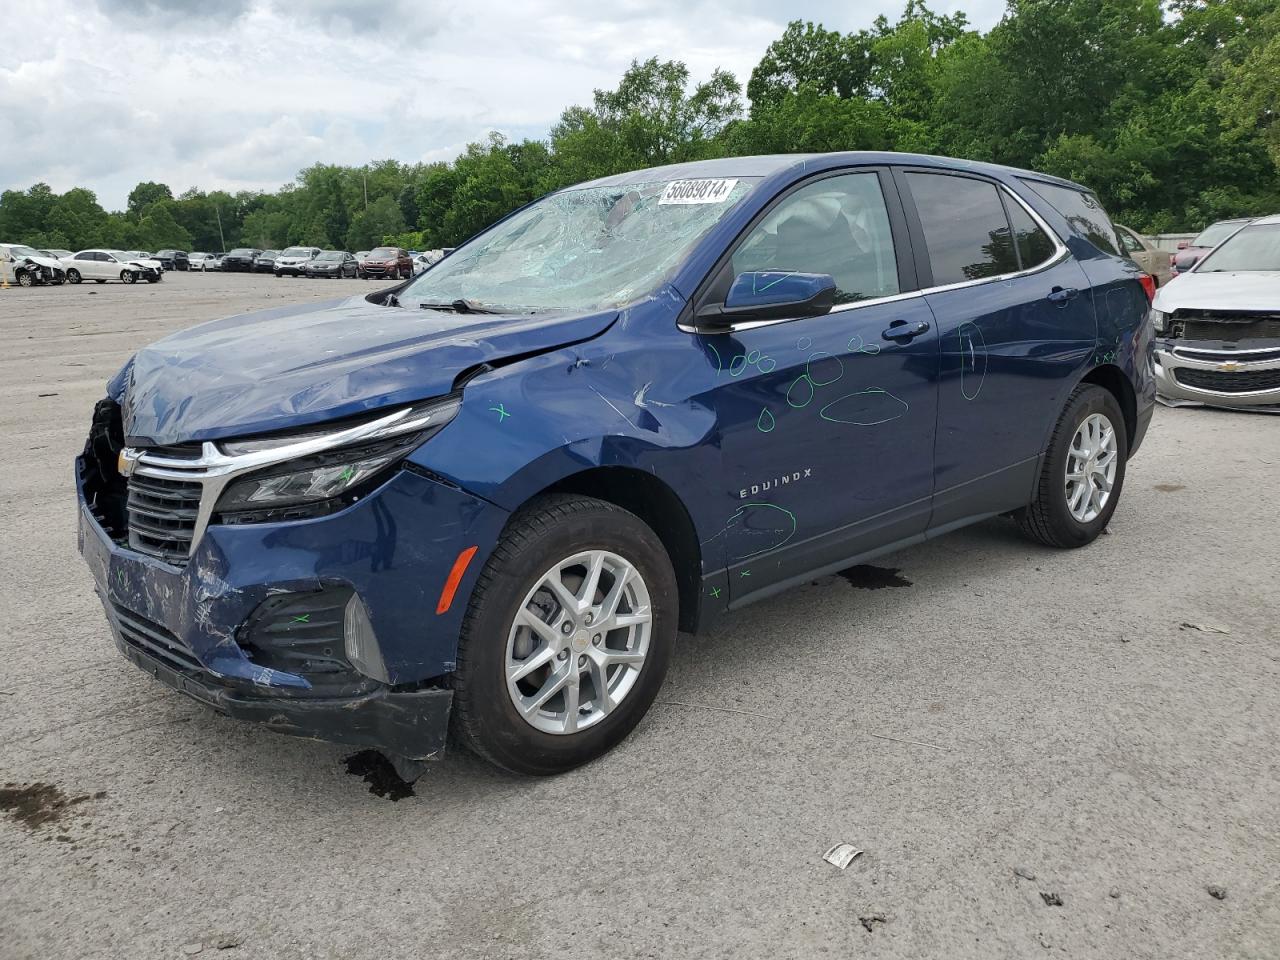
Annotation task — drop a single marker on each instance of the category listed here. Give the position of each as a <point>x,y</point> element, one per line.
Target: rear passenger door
<point>1016,326</point>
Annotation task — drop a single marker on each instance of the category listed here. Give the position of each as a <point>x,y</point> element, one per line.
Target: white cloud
<point>241,94</point>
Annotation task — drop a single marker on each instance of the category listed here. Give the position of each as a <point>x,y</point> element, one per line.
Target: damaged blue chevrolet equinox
<point>485,500</point>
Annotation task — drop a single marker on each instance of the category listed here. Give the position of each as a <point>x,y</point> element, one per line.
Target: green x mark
<point>745,573</point>
<point>302,618</point>
<point>715,591</point>
<point>501,411</point>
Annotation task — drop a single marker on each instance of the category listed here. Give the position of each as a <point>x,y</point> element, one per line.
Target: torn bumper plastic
<point>255,624</point>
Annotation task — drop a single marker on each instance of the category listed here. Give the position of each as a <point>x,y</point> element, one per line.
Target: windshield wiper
<point>458,306</point>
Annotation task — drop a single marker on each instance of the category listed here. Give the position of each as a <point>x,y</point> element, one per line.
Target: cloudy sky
<point>241,94</point>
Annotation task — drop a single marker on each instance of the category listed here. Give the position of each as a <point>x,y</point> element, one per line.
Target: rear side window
<point>838,226</point>
<point>1083,211</point>
<point>965,228</point>
<point>1034,245</point>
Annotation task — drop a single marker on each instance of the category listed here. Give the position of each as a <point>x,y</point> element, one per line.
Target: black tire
<point>128,276</point>
<point>25,279</point>
<point>73,275</point>
<point>550,528</point>
<point>1048,518</point>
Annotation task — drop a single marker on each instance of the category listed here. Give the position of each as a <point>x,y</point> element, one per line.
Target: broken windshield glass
<point>586,249</point>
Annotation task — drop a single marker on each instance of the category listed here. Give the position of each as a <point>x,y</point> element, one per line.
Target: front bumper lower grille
<point>154,640</point>
<point>1248,381</point>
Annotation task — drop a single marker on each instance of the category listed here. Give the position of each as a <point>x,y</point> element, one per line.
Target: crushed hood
<point>300,365</point>
<point>1255,290</point>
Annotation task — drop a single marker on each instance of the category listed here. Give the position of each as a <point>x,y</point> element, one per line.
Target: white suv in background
<point>293,261</point>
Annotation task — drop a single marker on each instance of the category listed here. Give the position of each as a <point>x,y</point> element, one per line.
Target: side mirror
<point>772,295</point>
<point>1183,244</point>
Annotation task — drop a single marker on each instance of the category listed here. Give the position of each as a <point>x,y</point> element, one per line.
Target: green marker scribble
<point>765,422</point>
<point>775,282</point>
<point>745,573</point>
<point>501,411</point>
<point>715,592</point>
<point>302,618</point>
<point>347,474</point>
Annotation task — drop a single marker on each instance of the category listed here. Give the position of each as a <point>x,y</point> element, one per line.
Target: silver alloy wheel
<point>578,642</point>
<point>1091,467</point>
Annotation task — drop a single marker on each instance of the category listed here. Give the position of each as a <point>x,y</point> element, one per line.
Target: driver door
<point>827,423</point>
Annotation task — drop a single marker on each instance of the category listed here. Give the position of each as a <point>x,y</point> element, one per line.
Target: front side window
<point>1083,211</point>
<point>589,248</point>
<point>1253,248</point>
<point>837,226</point>
<point>965,227</point>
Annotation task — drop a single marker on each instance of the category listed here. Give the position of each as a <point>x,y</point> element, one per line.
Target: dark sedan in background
<point>1189,254</point>
<point>388,262</point>
<point>172,259</point>
<point>333,263</point>
<point>241,258</point>
<point>265,262</point>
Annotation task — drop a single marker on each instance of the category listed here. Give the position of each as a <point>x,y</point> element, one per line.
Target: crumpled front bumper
<point>1211,373</point>
<point>193,627</point>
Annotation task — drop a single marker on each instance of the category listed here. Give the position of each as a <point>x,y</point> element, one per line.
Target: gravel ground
<point>995,707</point>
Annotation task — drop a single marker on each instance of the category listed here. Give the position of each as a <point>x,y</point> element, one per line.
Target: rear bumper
<point>1243,377</point>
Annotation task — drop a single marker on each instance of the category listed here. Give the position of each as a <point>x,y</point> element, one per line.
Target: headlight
<point>333,474</point>
<point>1159,320</point>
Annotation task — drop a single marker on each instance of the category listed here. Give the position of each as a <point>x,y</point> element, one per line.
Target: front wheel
<point>128,276</point>
<point>1082,473</point>
<point>26,280</point>
<point>73,276</point>
<point>567,636</point>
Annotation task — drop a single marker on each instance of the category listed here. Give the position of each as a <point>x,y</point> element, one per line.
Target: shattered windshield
<point>1253,248</point>
<point>584,249</point>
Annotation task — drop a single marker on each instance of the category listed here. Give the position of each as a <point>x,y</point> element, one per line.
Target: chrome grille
<point>162,516</point>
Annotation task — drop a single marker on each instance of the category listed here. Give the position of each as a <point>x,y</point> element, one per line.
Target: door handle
<point>903,332</point>
<point>1060,295</point>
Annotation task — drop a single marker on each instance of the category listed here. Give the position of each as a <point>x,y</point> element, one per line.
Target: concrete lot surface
<point>996,706</point>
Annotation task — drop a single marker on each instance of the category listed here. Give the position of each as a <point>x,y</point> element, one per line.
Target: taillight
<point>1149,285</point>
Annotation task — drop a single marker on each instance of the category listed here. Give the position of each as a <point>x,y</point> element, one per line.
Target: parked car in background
<point>56,254</point>
<point>265,261</point>
<point>425,259</point>
<point>101,266</point>
<point>361,254</point>
<point>292,261</point>
<point>173,259</point>
<point>387,263</point>
<point>199,261</point>
<point>240,259</point>
<point>1190,252</point>
<point>152,269</point>
<point>27,266</point>
<point>1218,328</point>
<point>628,408</point>
<point>1145,254</point>
<point>332,263</point>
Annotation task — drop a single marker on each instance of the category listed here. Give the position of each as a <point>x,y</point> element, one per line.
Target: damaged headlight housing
<point>1159,320</point>
<point>319,482</point>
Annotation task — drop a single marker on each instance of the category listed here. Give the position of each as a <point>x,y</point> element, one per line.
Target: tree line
<point>1167,109</point>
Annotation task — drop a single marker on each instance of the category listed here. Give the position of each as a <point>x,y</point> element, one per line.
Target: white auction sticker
<point>697,191</point>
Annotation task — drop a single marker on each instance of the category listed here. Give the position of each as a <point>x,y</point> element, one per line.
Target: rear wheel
<point>567,636</point>
<point>73,275</point>
<point>1082,474</point>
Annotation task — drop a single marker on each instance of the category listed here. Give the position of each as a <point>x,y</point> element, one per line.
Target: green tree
<point>144,195</point>
<point>370,227</point>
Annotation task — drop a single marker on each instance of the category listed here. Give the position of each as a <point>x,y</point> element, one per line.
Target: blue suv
<point>487,499</point>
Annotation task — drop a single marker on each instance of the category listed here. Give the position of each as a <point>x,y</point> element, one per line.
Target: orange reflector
<point>455,577</point>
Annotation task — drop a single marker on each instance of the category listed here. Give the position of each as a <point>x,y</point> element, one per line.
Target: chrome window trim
<point>214,469</point>
<point>1060,252</point>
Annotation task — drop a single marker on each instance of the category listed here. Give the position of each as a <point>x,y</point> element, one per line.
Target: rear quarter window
<point>1083,211</point>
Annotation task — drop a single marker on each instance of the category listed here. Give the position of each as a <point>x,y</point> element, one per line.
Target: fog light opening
<point>362,644</point>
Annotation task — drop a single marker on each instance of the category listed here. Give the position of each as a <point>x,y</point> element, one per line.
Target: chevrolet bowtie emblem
<point>1229,367</point>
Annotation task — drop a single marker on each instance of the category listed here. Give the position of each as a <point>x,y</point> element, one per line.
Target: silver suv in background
<point>292,261</point>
